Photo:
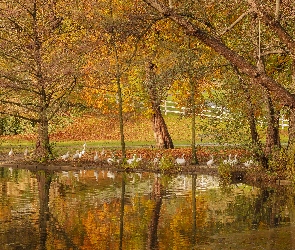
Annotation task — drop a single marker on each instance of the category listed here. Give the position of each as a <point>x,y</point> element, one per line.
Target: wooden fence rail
<point>171,107</point>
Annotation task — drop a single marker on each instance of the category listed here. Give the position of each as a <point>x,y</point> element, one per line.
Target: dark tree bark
<point>194,152</point>
<point>273,133</point>
<point>258,147</point>
<point>153,226</point>
<point>44,181</point>
<point>291,129</point>
<point>161,133</point>
<point>43,149</point>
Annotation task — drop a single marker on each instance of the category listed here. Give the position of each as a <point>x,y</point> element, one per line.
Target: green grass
<point>138,133</point>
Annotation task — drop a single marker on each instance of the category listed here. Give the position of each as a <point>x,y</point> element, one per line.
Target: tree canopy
<point>97,53</point>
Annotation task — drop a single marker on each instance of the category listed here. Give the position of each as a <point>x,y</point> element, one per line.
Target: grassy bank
<point>104,131</point>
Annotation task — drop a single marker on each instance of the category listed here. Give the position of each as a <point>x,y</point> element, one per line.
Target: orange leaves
<point>100,224</point>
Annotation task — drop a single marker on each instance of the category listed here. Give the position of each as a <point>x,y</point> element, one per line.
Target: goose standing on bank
<point>26,152</point>
<point>65,156</point>
<point>228,161</point>
<point>10,154</point>
<point>95,158</point>
<point>210,162</point>
<point>131,160</point>
<point>77,155</point>
<point>180,161</point>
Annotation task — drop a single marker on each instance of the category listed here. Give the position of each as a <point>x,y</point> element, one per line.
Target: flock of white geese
<point>113,159</point>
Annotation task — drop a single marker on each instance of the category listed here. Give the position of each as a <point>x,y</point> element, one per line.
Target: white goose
<point>210,162</point>
<point>180,161</point>
<point>95,158</point>
<point>248,163</point>
<point>131,160</point>
<point>77,155</point>
<point>83,150</point>
<point>26,152</point>
<point>10,154</point>
<point>235,160</point>
<point>65,156</point>
<point>228,161</point>
<point>139,158</point>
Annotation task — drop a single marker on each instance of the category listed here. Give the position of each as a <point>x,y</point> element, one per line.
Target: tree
<point>38,63</point>
<point>159,50</point>
<point>204,30</point>
<point>116,34</point>
<point>156,90</point>
<point>279,92</point>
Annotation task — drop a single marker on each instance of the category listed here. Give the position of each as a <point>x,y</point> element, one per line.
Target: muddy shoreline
<point>254,177</point>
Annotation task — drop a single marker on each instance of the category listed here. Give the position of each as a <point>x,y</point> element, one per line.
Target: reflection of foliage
<point>224,171</point>
<point>177,222</point>
<point>99,225</point>
<point>84,217</point>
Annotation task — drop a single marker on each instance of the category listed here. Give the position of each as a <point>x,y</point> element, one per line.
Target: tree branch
<point>20,116</point>
<point>280,94</point>
<point>235,22</point>
<point>275,26</point>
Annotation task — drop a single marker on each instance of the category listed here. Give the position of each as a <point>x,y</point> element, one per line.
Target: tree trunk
<point>119,92</point>
<point>194,153</point>
<point>256,143</point>
<point>291,129</point>
<point>43,149</point>
<point>161,133</point>
<point>273,134</point>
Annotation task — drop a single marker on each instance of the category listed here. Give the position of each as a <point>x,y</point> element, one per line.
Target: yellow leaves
<point>100,224</point>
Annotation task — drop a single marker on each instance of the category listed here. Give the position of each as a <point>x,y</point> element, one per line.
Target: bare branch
<point>279,51</point>
<point>235,22</point>
<point>277,13</point>
<point>275,25</point>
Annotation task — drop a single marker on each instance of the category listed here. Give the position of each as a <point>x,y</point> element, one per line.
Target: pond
<point>101,209</point>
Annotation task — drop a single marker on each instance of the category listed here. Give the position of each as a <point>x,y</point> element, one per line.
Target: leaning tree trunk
<point>161,133</point>
<point>155,91</point>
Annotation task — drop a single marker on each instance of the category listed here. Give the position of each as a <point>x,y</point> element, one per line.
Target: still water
<point>100,209</point>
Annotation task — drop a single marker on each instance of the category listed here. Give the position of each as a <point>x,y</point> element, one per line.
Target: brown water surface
<point>100,209</point>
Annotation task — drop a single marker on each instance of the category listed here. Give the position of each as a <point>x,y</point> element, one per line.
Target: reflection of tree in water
<point>122,211</point>
<point>154,221</point>
<point>269,207</point>
<point>44,179</point>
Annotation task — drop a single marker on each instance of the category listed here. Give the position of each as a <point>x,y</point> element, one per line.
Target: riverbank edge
<point>251,176</point>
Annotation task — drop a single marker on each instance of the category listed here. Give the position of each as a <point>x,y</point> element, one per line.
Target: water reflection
<point>104,209</point>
